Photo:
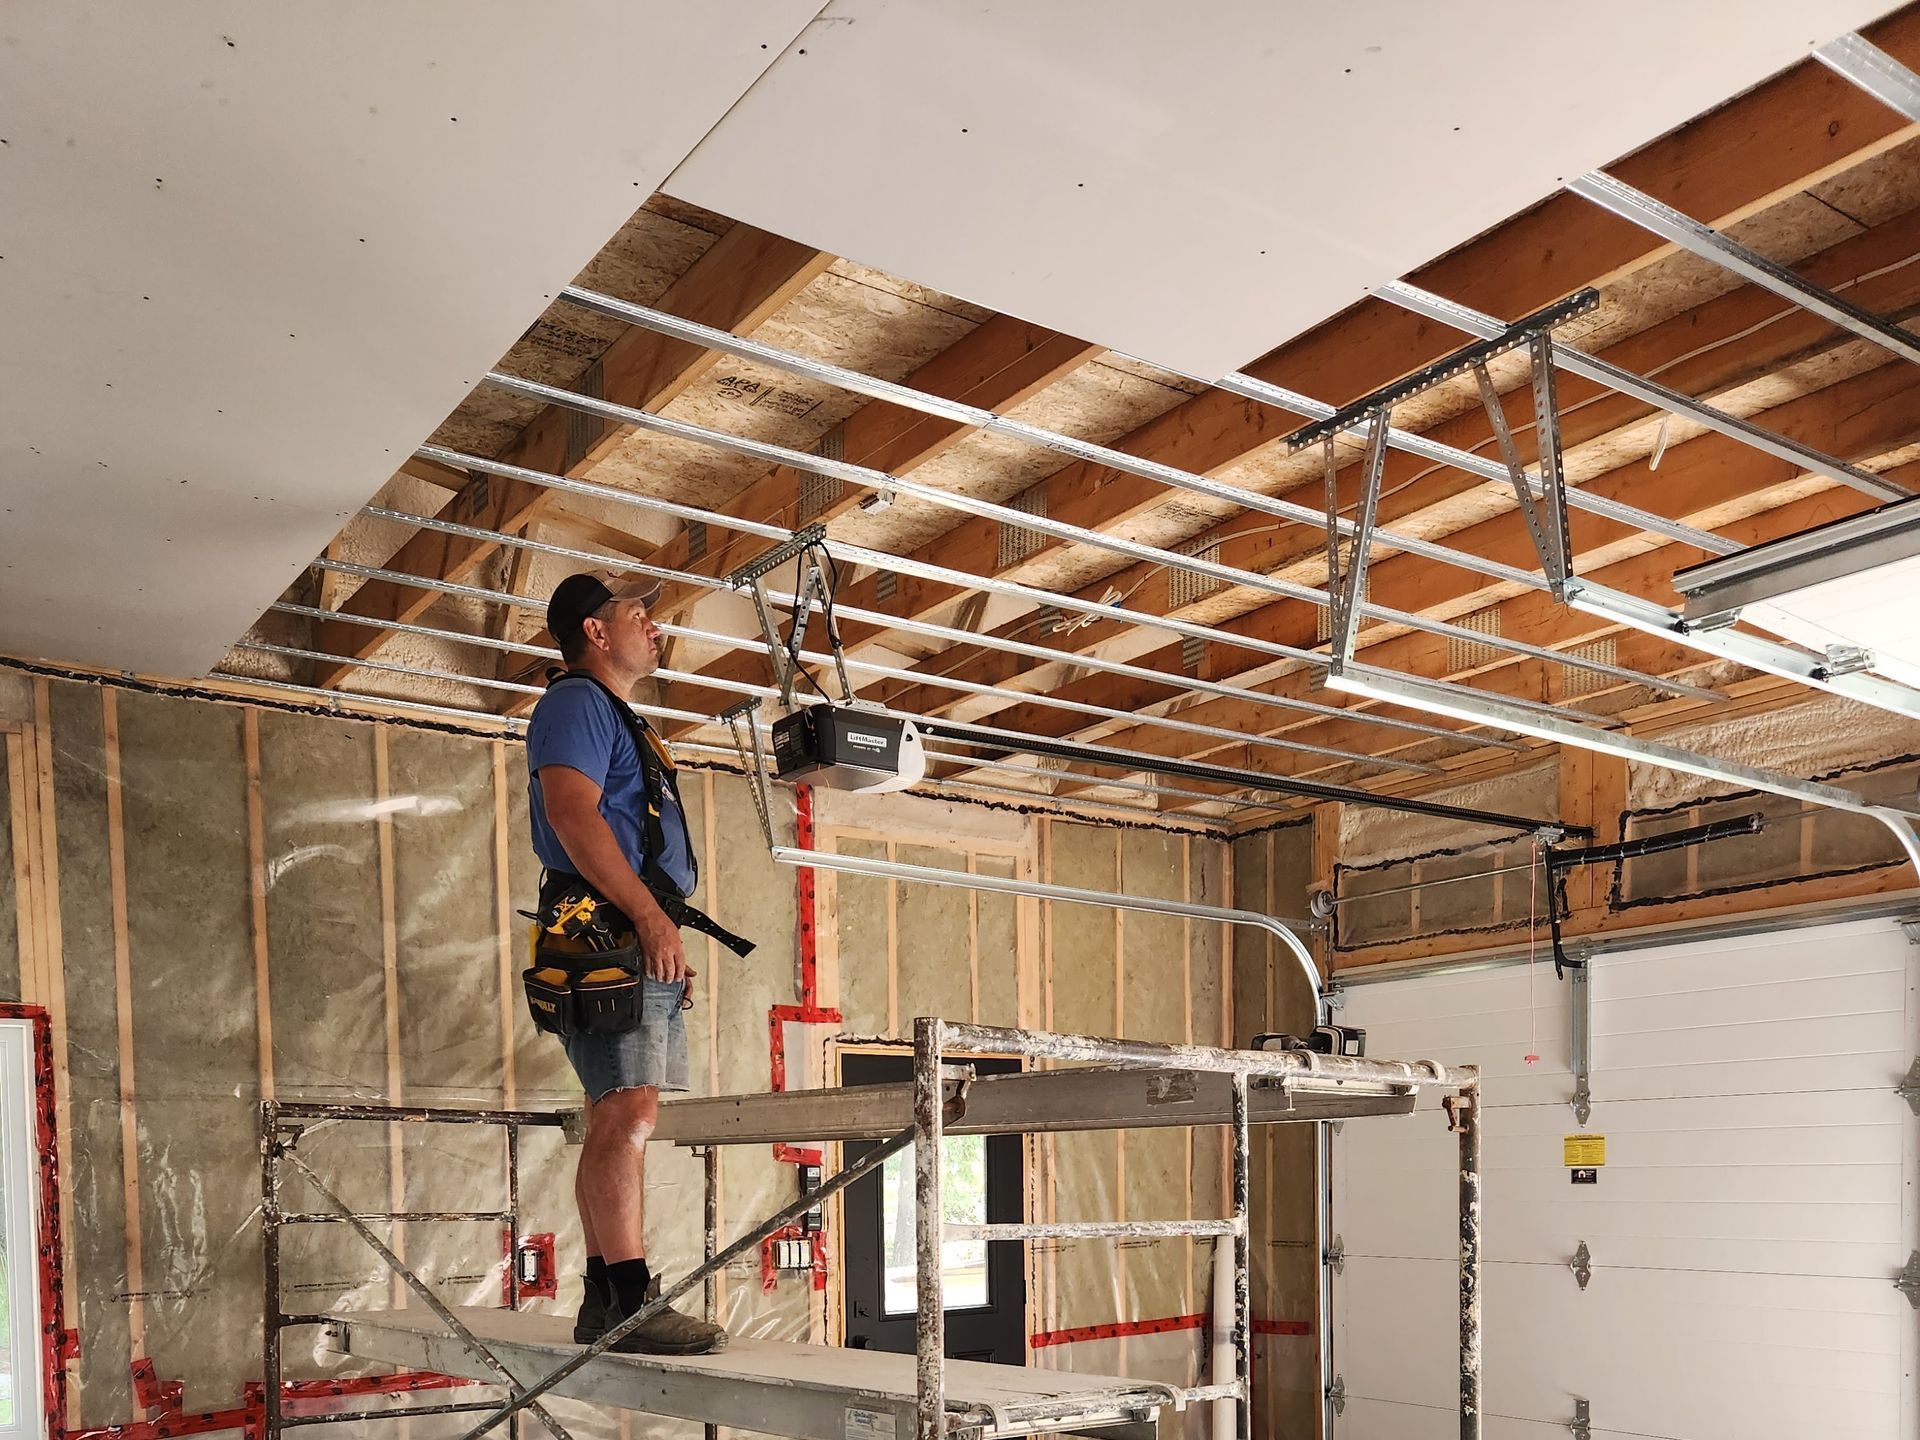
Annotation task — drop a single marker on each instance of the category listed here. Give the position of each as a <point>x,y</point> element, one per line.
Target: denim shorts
<point>653,1054</point>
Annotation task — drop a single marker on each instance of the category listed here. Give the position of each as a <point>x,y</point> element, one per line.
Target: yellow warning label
<point>1584,1150</point>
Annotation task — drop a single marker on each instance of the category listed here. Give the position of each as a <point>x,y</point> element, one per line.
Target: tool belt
<point>587,970</point>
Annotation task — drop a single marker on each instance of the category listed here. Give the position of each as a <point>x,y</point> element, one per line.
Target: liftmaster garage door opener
<point>845,748</point>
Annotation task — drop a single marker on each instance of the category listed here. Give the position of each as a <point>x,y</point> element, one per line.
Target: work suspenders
<point>659,782</point>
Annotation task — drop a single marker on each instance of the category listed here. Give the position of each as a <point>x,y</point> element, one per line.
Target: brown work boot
<point>666,1332</point>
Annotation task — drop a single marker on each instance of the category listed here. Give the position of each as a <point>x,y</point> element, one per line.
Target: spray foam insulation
<point>1817,736</point>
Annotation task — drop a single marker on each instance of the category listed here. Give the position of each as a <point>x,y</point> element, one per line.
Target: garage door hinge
<point>1336,1256</point>
<point>1909,1088</point>
<point>1337,1393</point>
<point>1582,1265</point>
<point>1908,1281</point>
<point>1582,1424</point>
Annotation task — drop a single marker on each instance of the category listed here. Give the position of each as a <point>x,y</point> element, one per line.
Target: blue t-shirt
<point>575,724</point>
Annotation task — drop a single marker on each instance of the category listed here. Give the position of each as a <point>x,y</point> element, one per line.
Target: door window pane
<point>963,1263</point>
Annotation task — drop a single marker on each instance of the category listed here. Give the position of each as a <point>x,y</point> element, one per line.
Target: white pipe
<point>1221,1369</point>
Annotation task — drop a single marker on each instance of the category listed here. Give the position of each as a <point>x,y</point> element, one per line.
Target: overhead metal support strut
<point>1661,397</point>
<point>1874,71</point>
<point>1709,244</point>
<point>1229,575</point>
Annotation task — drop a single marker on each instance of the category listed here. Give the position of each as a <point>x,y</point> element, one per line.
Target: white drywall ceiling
<point>1195,184</point>
<point>250,255</point>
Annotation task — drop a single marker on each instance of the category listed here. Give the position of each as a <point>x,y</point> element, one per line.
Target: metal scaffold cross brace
<point>420,1288</point>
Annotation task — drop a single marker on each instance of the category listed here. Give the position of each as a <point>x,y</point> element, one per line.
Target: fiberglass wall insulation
<point>370,965</point>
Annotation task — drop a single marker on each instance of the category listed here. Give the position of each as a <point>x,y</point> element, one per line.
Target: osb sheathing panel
<point>1629,304</point>
<point>1101,402</point>
<point>865,319</point>
<point>848,315</point>
<point>195,1047</point>
<point>97,1224</point>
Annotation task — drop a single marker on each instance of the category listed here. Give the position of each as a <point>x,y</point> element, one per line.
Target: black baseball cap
<point>579,596</point>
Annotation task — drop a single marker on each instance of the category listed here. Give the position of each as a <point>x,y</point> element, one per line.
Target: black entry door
<point>986,1283</point>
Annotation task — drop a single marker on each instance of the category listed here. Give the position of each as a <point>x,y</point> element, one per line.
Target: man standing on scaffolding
<point>608,826</point>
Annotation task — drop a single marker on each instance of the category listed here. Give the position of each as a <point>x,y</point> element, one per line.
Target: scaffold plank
<point>1034,1101</point>
<point>814,1392</point>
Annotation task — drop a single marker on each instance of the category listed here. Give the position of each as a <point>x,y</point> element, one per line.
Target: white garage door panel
<point>1756,1201</point>
<point>1808,1199</point>
<point>1384,1420</point>
<point>1716,1357</point>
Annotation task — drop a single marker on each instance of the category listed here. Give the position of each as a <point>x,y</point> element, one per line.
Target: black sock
<point>628,1279</point>
<point>596,1274</point>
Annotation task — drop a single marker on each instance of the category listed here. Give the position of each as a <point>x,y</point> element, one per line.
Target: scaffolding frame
<point>1238,1088</point>
<point>283,1124</point>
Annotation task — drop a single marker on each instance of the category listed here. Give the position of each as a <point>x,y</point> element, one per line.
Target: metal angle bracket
<point>1337,1394</point>
<point>755,764</point>
<point>1347,577</point>
<point>1581,1425</point>
<point>1909,1088</point>
<point>1476,352</point>
<point>1844,660</point>
<point>1557,555</point>
<point>1336,1256</point>
<point>768,561</point>
<point>1545,514</point>
<point>1582,1265</point>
